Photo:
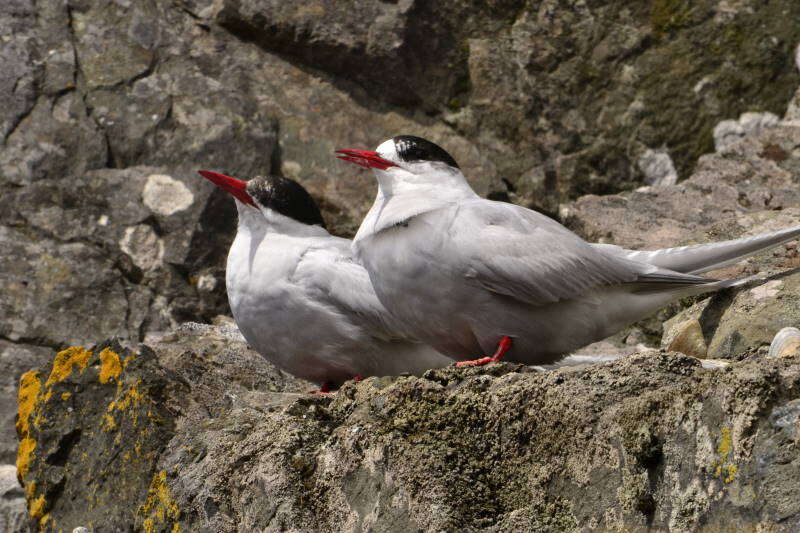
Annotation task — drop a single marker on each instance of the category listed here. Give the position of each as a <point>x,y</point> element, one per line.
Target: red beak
<point>228,184</point>
<point>364,158</point>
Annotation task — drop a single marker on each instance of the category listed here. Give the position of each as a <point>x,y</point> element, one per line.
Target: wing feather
<point>331,276</point>
<point>525,255</point>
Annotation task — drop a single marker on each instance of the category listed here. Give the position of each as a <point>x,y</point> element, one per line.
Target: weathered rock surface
<point>749,187</point>
<point>93,424</point>
<point>195,432</point>
<point>110,107</point>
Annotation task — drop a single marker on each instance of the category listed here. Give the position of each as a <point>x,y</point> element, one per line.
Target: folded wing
<point>525,255</point>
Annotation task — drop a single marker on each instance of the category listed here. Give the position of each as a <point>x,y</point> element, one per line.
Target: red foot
<point>502,348</point>
<point>357,378</point>
<point>324,389</point>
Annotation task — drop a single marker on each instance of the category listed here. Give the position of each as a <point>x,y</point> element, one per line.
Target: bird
<point>482,280</point>
<point>298,296</point>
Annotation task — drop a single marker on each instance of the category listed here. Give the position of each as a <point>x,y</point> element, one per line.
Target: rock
<point>657,168</point>
<point>15,359</point>
<point>647,441</point>
<point>729,132</point>
<point>13,515</point>
<point>756,174</point>
<point>95,422</point>
<point>685,337</point>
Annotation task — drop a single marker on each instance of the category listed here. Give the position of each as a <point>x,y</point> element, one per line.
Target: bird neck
<point>403,197</point>
<point>266,221</point>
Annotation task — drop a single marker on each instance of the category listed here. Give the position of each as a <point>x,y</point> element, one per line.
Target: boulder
<point>197,434</point>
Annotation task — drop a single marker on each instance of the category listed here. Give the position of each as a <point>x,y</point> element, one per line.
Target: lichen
<point>110,367</point>
<point>109,424</point>
<point>66,361</point>
<point>24,456</point>
<point>723,469</point>
<point>29,387</point>
<point>160,508</point>
<point>65,396</point>
<point>36,507</point>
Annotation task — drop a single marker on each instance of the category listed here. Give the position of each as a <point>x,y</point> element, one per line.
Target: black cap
<point>287,197</point>
<point>410,148</point>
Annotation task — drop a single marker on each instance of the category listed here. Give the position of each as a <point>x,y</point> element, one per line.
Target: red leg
<point>323,389</point>
<point>502,348</point>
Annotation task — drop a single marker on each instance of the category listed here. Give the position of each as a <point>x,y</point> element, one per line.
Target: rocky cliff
<point>107,232</point>
<point>197,434</point>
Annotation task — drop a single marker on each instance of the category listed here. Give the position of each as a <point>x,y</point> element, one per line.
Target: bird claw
<point>502,348</point>
<point>475,362</point>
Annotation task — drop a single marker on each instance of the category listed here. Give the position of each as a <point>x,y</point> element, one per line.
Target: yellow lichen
<point>24,456</point>
<point>132,396</point>
<point>29,386</point>
<point>722,468</point>
<point>160,506</point>
<point>30,490</point>
<point>109,424</point>
<point>65,396</point>
<point>110,367</point>
<point>66,360</point>
<point>724,447</point>
<point>36,507</point>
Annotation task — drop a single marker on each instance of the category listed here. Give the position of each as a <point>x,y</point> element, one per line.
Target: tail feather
<point>701,258</point>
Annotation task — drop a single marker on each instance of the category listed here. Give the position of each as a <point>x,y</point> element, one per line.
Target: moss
<point>66,361</point>
<point>110,367</point>
<point>668,15</point>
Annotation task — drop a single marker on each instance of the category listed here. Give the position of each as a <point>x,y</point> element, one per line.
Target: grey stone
<point>648,441</point>
<point>13,514</point>
<point>657,167</point>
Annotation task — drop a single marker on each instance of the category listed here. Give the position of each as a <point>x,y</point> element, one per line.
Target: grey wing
<point>700,258</point>
<point>523,254</point>
<point>333,277</point>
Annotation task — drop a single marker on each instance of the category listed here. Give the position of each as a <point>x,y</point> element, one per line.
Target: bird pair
<point>437,274</point>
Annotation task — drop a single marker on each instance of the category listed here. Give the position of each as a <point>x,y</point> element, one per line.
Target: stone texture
<point>94,423</point>
<point>211,442</point>
<point>748,188</point>
<point>110,107</point>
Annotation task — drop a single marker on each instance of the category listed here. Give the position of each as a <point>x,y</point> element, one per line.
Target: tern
<point>300,299</point>
<point>471,276</point>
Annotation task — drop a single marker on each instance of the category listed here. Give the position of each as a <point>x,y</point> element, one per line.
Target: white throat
<point>403,194</point>
<point>270,221</point>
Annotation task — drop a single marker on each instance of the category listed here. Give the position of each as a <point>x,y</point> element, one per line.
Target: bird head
<point>406,162</point>
<point>270,195</point>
